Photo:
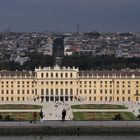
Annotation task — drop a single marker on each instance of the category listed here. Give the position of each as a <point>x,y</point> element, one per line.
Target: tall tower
<point>77,28</point>
<point>58,49</point>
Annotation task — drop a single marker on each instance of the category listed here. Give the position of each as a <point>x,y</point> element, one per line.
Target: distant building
<point>19,59</point>
<point>46,49</point>
<point>69,50</point>
<point>85,53</point>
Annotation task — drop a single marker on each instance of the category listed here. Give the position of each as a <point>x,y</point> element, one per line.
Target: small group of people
<point>41,115</point>
<point>35,116</point>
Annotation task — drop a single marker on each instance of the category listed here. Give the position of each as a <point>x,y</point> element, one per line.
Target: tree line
<point>101,62</point>
<point>81,62</point>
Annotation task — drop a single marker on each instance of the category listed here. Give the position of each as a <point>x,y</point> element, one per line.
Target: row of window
<point>106,98</point>
<point>107,82</point>
<point>106,91</point>
<point>57,98</point>
<point>118,86</point>
<point>2,86</point>
<point>124,91</point>
<point>81,82</point>
<point>95,82</point>
<point>65,91</point>
<point>12,99</point>
<point>128,86</point>
<point>95,91</point>
<point>66,82</point>
<point>18,82</point>
<point>18,92</point>
<point>90,98</point>
<point>95,85</point>
<point>66,99</point>
<point>56,91</point>
<point>56,75</point>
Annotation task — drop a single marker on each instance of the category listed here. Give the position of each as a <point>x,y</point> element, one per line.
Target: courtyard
<point>75,110</point>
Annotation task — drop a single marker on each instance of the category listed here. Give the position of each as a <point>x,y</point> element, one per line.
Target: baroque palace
<point>69,84</point>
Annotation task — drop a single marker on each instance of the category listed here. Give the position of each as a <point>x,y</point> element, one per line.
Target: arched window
<point>56,91</point>
<point>56,75</point>
<point>51,91</point>
<point>11,98</point>
<point>27,91</point>
<point>90,98</point>
<point>23,91</point>
<point>32,91</point>
<point>66,75</point>
<point>71,91</point>
<point>66,91</point>
<point>12,91</point>
<point>101,98</point>
<point>18,91</point>
<point>61,91</point>
<point>42,75</point>
<point>47,92</point>
<point>18,98</point>
<point>2,91</point>
<point>42,91</point>
<point>7,91</point>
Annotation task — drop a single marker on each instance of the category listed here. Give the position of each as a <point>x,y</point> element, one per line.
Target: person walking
<point>34,117</point>
<point>63,114</point>
<point>41,116</point>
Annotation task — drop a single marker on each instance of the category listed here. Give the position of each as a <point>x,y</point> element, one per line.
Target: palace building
<point>69,84</point>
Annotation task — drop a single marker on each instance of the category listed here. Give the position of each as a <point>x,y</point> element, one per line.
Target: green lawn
<point>98,106</point>
<point>19,106</point>
<point>102,115</point>
<point>19,116</point>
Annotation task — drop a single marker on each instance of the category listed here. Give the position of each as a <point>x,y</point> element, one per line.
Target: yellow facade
<point>69,84</point>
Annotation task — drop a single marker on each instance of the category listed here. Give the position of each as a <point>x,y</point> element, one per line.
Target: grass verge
<point>102,115</point>
<point>19,106</point>
<point>98,106</point>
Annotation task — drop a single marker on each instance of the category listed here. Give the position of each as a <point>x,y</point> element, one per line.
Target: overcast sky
<point>64,15</point>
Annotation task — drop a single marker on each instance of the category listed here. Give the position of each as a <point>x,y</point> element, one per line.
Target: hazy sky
<point>63,15</point>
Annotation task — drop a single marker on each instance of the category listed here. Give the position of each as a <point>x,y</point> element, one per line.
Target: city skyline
<point>64,15</point>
